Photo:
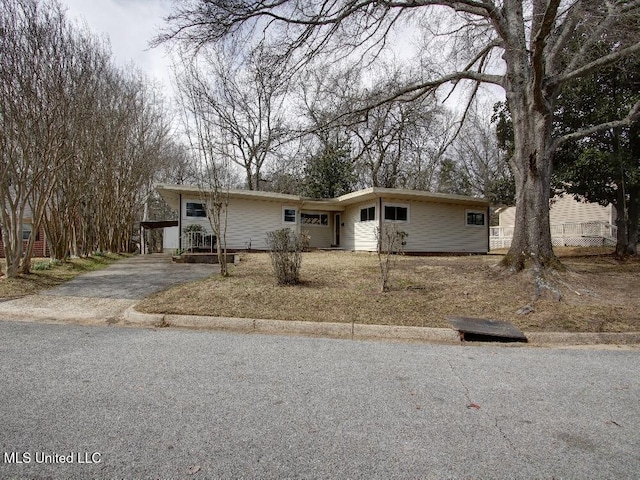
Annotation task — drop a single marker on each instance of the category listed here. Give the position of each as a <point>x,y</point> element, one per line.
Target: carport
<point>147,227</point>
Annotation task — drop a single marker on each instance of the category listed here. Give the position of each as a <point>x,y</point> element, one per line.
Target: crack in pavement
<point>464,386</point>
<point>471,404</point>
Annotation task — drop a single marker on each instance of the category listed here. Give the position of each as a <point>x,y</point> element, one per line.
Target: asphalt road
<point>165,403</point>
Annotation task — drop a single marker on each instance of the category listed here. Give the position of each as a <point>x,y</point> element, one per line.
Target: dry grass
<point>40,280</point>
<point>599,292</point>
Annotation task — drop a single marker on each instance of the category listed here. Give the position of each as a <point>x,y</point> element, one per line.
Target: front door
<point>337,220</point>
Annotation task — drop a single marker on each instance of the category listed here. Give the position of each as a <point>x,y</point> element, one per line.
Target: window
<point>367,214</point>
<point>314,219</point>
<point>289,215</point>
<point>395,213</point>
<point>196,209</point>
<point>26,232</point>
<point>475,219</point>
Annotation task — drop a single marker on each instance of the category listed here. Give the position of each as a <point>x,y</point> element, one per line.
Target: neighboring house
<point>40,248</point>
<point>435,222</point>
<point>573,223</point>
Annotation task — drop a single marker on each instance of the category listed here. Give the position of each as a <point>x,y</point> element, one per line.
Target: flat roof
<point>171,192</point>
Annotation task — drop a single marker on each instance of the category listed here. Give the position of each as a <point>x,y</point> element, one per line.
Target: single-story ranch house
<point>435,222</point>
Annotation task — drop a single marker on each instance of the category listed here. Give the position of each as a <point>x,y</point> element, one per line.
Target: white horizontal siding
<point>357,235</point>
<point>432,227</point>
<point>566,209</point>
<point>507,217</point>
<point>321,235</point>
<point>248,222</point>
<point>170,239</point>
<point>442,227</point>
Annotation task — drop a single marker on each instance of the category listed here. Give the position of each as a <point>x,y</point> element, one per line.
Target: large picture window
<point>475,218</point>
<point>396,213</point>
<point>314,219</point>
<point>196,209</point>
<point>367,214</point>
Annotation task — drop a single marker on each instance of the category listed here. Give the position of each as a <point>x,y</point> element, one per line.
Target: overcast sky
<point>129,25</point>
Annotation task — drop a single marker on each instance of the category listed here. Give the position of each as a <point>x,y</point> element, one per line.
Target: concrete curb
<point>361,331</point>
<point>131,315</point>
<point>286,327</point>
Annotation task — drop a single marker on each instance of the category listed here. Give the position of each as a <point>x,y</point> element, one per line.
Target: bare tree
<point>480,158</point>
<point>397,144</point>
<point>80,140</point>
<point>35,81</point>
<point>391,241</point>
<point>211,155</point>
<point>537,45</point>
<point>246,103</point>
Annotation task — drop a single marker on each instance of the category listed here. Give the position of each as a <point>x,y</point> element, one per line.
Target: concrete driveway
<point>133,278</point>
<point>105,294</point>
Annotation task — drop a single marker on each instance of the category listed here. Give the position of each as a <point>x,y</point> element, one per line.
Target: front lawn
<point>600,293</point>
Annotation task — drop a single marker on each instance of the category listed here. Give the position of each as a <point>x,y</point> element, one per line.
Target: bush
<point>391,241</point>
<point>285,250</point>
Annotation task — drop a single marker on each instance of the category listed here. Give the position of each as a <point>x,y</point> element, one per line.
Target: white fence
<point>589,234</point>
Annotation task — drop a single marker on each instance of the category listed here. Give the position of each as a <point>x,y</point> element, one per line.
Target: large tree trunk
<point>634,219</point>
<point>531,106</point>
<point>532,166</point>
<point>621,223</point>
<point>13,212</point>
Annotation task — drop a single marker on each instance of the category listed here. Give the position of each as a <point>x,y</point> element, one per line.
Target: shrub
<point>285,250</point>
<point>391,241</point>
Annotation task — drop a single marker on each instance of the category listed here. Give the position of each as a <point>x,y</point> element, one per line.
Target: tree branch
<point>573,16</point>
<point>594,65</point>
<point>216,19</point>
<point>634,114</point>
<point>539,45</point>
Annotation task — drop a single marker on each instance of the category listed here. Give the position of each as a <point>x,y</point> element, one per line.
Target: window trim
<point>367,208</point>
<point>475,212</point>
<point>284,216</point>
<point>27,231</point>
<point>315,225</point>
<point>203,209</point>
<point>396,205</point>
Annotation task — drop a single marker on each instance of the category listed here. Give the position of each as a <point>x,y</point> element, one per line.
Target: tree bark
<point>621,223</point>
<point>634,219</point>
<point>531,164</point>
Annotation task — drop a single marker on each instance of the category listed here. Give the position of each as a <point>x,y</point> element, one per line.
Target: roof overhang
<point>416,195</point>
<point>158,223</point>
<point>171,194</point>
